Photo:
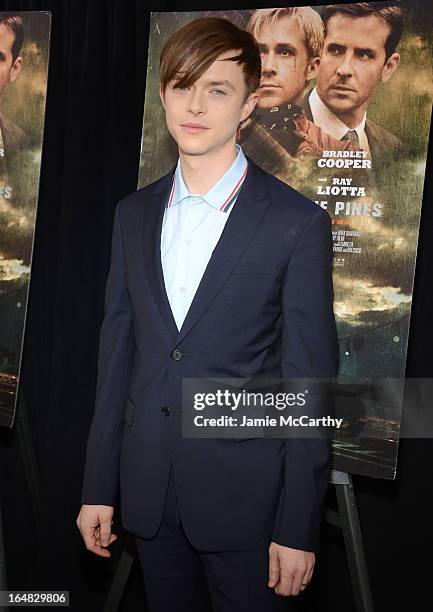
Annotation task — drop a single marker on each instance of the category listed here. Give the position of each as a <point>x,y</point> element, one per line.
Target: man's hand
<point>94,523</point>
<point>290,569</point>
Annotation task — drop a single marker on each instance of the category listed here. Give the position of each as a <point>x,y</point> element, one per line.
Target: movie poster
<point>24,50</point>
<point>344,117</point>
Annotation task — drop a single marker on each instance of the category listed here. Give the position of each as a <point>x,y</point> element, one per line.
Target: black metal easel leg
<point>3,579</point>
<point>31,474</point>
<point>121,575</point>
<point>347,519</point>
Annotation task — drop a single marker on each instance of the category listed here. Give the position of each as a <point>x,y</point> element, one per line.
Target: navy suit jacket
<point>264,308</point>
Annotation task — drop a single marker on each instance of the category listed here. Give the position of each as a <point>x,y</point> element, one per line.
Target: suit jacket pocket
<point>128,416</point>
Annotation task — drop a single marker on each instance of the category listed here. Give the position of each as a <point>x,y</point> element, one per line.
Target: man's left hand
<point>290,569</point>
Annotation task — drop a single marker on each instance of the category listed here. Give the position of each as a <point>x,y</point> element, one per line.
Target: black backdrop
<point>90,160</point>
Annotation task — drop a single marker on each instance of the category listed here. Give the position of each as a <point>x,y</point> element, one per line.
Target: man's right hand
<point>94,523</point>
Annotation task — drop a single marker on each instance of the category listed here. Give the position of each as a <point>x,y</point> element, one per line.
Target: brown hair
<point>15,24</point>
<point>308,19</point>
<point>389,12</point>
<point>195,46</point>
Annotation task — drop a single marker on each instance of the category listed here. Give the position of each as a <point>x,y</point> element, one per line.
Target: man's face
<point>285,63</point>
<point>204,117</point>
<point>9,69</point>
<point>353,62</point>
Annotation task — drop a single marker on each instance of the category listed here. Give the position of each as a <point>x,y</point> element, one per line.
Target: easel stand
<point>120,579</point>
<point>3,581</point>
<point>32,477</point>
<point>347,520</point>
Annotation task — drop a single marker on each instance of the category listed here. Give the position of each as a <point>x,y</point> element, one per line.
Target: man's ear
<point>249,105</point>
<point>16,68</point>
<point>161,95</point>
<point>390,67</point>
<point>313,66</point>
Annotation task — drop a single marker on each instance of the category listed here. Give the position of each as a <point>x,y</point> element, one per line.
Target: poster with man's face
<point>343,116</point>
<point>24,48</point>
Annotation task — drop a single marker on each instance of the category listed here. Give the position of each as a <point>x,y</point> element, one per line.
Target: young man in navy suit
<point>218,270</point>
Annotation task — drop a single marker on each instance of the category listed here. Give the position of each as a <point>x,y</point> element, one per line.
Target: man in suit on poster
<point>218,270</point>
<point>359,53</point>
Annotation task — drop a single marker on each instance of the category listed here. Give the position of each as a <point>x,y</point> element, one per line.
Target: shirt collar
<point>328,121</point>
<point>222,195</point>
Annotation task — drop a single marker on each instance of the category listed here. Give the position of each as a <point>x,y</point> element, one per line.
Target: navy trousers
<point>180,578</point>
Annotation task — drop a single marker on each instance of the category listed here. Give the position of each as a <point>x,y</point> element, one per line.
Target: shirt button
<point>165,411</point>
<point>182,289</point>
<point>188,242</point>
<point>177,354</point>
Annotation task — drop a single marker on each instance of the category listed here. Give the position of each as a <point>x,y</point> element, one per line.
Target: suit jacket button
<point>165,410</point>
<point>177,354</point>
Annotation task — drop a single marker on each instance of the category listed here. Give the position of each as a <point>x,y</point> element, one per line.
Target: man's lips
<point>343,88</point>
<point>194,128</point>
<point>269,86</point>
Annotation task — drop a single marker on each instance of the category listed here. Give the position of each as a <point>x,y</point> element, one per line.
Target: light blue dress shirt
<point>191,228</point>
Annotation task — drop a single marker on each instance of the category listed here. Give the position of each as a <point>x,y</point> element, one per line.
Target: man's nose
<point>345,67</point>
<point>196,102</point>
<point>268,64</point>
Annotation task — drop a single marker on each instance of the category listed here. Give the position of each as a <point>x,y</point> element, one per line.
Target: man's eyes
<point>334,50</point>
<point>284,51</point>
<point>363,54</point>
<point>218,92</point>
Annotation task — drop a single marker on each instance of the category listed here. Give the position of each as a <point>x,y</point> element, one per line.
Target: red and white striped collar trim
<point>222,195</point>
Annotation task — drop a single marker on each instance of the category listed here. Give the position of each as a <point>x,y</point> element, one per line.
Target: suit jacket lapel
<point>237,233</point>
<point>152,225</point>
<point>372,138</point>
